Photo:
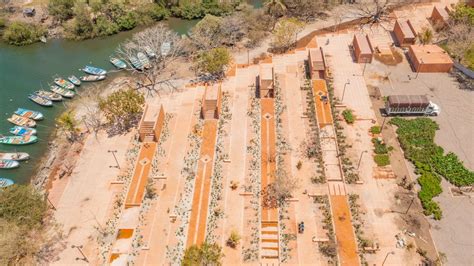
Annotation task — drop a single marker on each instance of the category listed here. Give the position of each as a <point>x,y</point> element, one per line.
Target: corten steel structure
<point>439,16</point>
<point>404,32</point>
<point>265,83</point>
<point>317,63</point>
<point>211,102</point>
<point>363,50</point>
<point>429,59</point>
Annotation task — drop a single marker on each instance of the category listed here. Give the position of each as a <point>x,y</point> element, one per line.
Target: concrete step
<point>270,228</point>
<point>269,237</point>
<point>269,245</point>
<point>269,253</point>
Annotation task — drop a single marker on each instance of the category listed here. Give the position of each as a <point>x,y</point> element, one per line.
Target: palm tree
<point>275,7</point>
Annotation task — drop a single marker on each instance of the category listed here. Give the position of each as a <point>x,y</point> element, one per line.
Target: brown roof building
<point>317,64</point>
<point>404,32</point>
<point>439,15</point>
<point>429,59</point>
<point>363,50</point>
<point>265,81</point>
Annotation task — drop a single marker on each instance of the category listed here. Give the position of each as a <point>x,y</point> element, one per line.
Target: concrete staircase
<point>146,131</point>
<point>269,241</point>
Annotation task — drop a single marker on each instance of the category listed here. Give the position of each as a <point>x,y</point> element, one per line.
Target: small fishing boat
<point>16,156</point>
<point>5,182</point>
<point>89,78</point>
<point>74,80</point>
<point>40,100</point>
<point>94,70</point>
<point>120,64</point>
<point>137,64</point>
<point>43,39</point>
<point>64,83</point>
<point>22,131</point>
<point>61,91</point>
<point>21,121</point>
<point>8,164</point>
<point>18,140</point>
<point>149,52</point>
<point>49,95</point>
<point>35,115</point>
<point>143,59</point>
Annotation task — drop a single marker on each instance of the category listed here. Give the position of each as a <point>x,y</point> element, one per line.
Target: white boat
<point>16,156</point>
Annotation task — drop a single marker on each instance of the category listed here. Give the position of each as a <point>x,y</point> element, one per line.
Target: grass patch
<point>348,116</point>
<point>375,130</point>
<point>382,159</point>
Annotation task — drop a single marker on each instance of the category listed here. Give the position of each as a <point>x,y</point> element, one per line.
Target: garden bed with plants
<point>416,138</point>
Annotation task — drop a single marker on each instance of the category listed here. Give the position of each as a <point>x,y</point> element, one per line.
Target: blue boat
<point>35,115</point>
<point>94,70</point>
<point>40,100</point>
<point>120,64</point>
<point>22,131</point>
<point>5,182</point>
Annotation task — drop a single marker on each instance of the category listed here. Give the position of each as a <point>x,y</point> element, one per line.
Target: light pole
<point>344,91</point>
<point>79,248</point>
<point>388,253</point>
<point>383,124</point>
<point>360,159</point>
<point>411,203</point>
<point>116,161</point>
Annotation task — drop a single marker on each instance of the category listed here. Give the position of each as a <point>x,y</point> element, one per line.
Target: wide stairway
<point>146,131</point>
<point>269,241</point>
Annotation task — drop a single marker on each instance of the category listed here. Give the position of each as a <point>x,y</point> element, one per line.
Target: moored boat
<point>35,115</point>
<point>5,182</point>
<point>49,95</point>
<point>90,78</point>
<point>22,131</point>
<point>21,121</point>
<point>16,156</point>
<point>149,52</point>
<point>136,63</point>
<point>94,70</point>
<point>40,100</point>
<point>61,91</point>
<point>64,83</point>
<point>120,64</point>
<point>74,80</point>
<point>143,59</point>
<point>8,164</point>
<point>18,140</point>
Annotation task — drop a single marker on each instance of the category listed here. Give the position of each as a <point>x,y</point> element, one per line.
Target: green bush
<point>348,116</point>
<point>21,33</point>
<point>199,10</point>
<point>155,11</point>
<point>452,169</point>
<point>61,9</point>
<point>375,130</point>
<point>380,148</point>
<point>3,22</point>
<point>214,61</point>
<point>430,185</point>
<point>104,27</point>
<point>22,205</point>
<point>382,159</point>
<point>128,21</point>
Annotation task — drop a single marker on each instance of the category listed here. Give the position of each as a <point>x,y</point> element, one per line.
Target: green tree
<point>213,62</point>
<point>68,123</point>
<point>206,254</point>
<point>128,21</point>
<point>21,33</point>
<point>426,36</point>
<point>285,33</point>
<point>122,108</point>
<point>233,239</point>
<point>61,9</point>
<point>82,26</point>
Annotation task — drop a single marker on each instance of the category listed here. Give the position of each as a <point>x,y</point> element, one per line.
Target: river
<point>26,69</point>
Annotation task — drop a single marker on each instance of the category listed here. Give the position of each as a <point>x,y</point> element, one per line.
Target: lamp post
<point>360,159</point>
<point>411,203</point>
<point>344,91</point>
<point>383,124</point>
<point>79,248</point>
<point>386,256</point>
<point>116,161</point>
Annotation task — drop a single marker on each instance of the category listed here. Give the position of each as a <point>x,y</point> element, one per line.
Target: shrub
<point>3,22</point>
<point>61,9</point>
<point>206,254</point>
<point>22,205</point>
<point>375,130</point>
<point>214,61</point>
<point>348,116</point>
<point>299,165</point>
<point>104,27</point>
<point>233,239</point>
<point>382,159</point>
<point>127,21</point>
<point>380,148</point>
<point>155,11</point>
<point>21,33</point>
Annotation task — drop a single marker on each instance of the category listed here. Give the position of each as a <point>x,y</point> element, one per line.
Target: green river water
<point>26,69</point>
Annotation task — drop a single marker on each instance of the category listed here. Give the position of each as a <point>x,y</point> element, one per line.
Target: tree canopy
<point>206,254</point>
<point>122,108</point>
<point>213,62</point>
<point>284,35</point>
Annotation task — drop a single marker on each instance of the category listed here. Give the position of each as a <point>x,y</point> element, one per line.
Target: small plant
<point>375,130</point>
<point>382,159</point>
<point>348,116</point>
<point>233,240</point>
<point>299,165</point>
<point>234,185</point>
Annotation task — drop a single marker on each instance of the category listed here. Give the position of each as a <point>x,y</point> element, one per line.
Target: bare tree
<point>163,47</point>
<point>378,12</point>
